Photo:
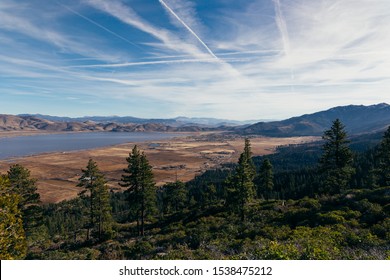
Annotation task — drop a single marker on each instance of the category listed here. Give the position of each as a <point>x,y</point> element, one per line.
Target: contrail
<point>188,28</point>
<point>282,26</point>
<point>99,25</point>
<point>143,63</point>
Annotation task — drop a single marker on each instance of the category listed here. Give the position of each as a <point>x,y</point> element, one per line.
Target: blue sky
<point>249,59</point>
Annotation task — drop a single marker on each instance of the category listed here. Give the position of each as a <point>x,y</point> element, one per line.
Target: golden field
<point>182,158</point>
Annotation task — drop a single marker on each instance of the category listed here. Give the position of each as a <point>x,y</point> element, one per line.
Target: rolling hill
<point>174,122</point>
<point>358,119</point>
<point>32,123</point>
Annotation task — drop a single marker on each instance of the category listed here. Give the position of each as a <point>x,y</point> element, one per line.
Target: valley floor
<point>180,158</point>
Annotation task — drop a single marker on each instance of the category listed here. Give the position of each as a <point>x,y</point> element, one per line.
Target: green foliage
<point>217,216</point>
<point>172,197</point>
<point>331,218</point>
<point>266,179</point>
<point>23,185</point>
<point>241,189</point>
<point>336,160</point>
<point>318,243</point>
<point>204,196</point>
<point>141,190</point>
<point>139,250</point>
<point>384,159</point>
<point>95,191</point>
<point>382,229</point>
<point>12,236</point>
<point>310,203</point>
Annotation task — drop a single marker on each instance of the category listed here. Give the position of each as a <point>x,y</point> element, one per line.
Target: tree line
<point>96,211</point>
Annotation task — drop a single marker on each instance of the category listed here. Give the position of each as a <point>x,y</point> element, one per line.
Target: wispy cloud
<point>188,28</point>
<point>63,56</point>
<point>127,15</point>
<point>282,26</point>
<point>24,24</point>
<point>98,25</point>
<point>156,62</point>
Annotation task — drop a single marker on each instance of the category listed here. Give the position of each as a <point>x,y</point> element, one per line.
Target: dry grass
<point>180,158</point>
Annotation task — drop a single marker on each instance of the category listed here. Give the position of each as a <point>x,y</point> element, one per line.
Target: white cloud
<point>127,15</point>
<point>24,21</point>
<point>337,50</point>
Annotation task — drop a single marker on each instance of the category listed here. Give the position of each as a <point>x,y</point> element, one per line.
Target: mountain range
<point>174,122</point>
<point>358,119</point>
<point>33,123</point>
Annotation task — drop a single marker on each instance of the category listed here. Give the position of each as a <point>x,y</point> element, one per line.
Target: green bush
<point>310,203</point>
<point>331,218</point>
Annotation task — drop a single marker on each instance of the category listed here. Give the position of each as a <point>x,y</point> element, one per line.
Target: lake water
<point>30,145</point>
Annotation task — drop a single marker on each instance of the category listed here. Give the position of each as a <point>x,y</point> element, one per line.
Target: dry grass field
<point>182,158</point>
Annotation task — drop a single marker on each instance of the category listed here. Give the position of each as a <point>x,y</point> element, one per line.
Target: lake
<point>21,146</point>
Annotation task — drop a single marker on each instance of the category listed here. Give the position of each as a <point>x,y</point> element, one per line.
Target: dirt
<point>180,158</point>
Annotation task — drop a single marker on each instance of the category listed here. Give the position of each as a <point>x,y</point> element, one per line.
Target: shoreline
<point>21,133</point>
<point>180,157</point>
<point>99,139</point>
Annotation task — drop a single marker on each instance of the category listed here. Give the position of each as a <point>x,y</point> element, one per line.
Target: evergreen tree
<point>384,159</point>
<point>95,190</point>
<point>266,179</point>
<point>141,190</point>
<point>174,197</point>
<point>25,187</point>
<point>336,160</point>
<point>241,188</point>
<point>12,235</point>
<point>22,184</point>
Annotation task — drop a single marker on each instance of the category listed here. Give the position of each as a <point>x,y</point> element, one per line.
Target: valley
<point>182,158</point>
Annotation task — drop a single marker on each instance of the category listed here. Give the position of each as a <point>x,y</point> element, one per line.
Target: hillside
<point>174,122</point>
<point>358,119</point>
<point>33,123</point>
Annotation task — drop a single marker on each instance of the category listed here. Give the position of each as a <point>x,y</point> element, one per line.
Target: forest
<point>322,200</point>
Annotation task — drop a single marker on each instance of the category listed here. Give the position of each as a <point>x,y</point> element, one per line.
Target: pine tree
<point>266,179</point>
<point>12,236</point>
<point>241,188</point>
<point>141,190</point>
<point>25,187</point>
<point>384,160</point>
<point>22,184</point>
<point>336,160</point>
<point>95,190</point>
<point>174,197</point>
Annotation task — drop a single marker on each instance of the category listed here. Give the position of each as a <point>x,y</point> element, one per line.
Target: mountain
<point>174,122</point>
<point>56,124</point>
<point>358,119</point>
<point>212,122</point>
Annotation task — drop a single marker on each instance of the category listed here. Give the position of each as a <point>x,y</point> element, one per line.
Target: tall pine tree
<point>336,160</point>
<point>241,189</point>
<point>12,236</point>
<point>266,179</point>
<point>95,190</point>
<point>23,185</point>
<point>141,190</point>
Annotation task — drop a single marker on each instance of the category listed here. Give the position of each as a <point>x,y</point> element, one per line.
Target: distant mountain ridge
<point>358,119</point>
<point>175,122</point>
<point>32,123</point>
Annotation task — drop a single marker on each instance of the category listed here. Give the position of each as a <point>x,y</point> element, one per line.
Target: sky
<point>239,60</point>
